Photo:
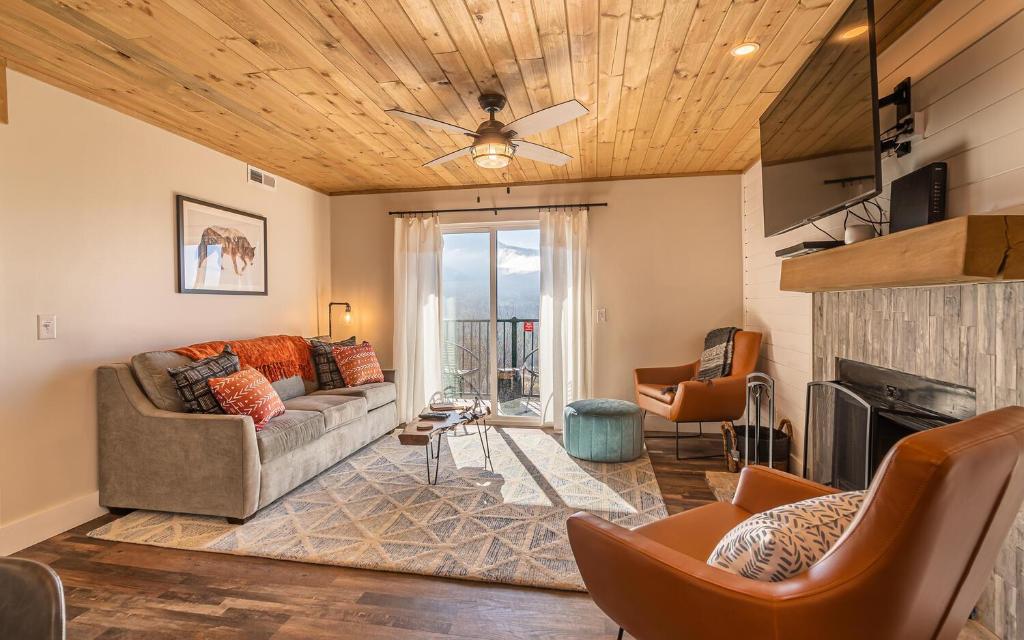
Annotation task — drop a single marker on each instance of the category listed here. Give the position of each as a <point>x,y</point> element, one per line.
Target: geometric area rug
<point>374,510</point>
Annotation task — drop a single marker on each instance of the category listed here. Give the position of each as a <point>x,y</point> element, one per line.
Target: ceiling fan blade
<point>546,118</point>
<point>449,157</point>
<point>540,153</point>
<point>424,121</point>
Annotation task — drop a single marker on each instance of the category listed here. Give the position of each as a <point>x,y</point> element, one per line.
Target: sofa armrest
<point>389,375</point>
<point>761,489</point>
<point>166,461</point>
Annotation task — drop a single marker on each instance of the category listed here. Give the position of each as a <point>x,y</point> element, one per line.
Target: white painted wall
<point>966,60</point>
<point>87,232</point>
<point>666,263</point>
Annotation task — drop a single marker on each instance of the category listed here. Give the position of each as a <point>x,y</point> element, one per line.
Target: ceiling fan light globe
<point>492,155</point>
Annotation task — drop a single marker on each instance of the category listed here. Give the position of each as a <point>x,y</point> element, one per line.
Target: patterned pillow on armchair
<point>780,543</point>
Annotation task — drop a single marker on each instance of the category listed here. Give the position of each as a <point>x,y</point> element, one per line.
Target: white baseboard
<point>37,527</point>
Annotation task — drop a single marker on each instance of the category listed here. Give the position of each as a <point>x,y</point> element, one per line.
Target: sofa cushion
<point>150,370</point>
<point>288,432</point>
<point>782,542</point>
<point>192,379</point>
<point>337,410</point>
<point>377,394</point>
<point>288,388</point>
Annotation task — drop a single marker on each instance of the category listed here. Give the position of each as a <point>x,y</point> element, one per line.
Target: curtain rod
<point>497,209</point>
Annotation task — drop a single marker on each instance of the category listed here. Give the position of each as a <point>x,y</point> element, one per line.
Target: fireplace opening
<point>854,420</point>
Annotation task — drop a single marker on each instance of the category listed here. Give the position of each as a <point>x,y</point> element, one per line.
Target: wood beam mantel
<point>974,248</point>
<point>3,91</point>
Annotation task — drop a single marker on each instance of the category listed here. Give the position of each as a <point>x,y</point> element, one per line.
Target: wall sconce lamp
<point>348,315</point>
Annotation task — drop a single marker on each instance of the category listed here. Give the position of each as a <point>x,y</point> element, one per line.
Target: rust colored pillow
<point>248,393</point>
<point>358,365</point>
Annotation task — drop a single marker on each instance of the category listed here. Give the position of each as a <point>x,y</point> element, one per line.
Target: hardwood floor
<point>117,590</point>
<point>120,590</point>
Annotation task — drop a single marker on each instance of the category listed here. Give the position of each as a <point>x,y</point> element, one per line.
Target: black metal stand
<point>433,450</point>
<point>682,436</point>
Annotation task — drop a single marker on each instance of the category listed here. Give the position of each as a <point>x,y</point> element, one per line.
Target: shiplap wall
<point>966,60</point>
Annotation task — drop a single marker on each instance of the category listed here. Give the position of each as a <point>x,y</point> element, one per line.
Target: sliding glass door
<point>490,317</point>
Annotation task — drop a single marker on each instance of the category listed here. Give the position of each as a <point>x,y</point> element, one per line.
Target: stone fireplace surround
<point>971,335</point>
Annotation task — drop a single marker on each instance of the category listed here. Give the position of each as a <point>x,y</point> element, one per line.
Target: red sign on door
<point>528,326</point>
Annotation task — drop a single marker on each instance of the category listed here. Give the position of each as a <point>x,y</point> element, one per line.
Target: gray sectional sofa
<point>153,455</point>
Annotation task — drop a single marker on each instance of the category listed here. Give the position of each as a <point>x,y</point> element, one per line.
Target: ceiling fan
<point>496,142</point>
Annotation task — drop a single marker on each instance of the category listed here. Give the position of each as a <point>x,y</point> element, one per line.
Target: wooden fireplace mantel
<point>974,248</point>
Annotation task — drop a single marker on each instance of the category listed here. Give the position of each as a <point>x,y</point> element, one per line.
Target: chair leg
<point>682,436</point>
<point>621,630</point>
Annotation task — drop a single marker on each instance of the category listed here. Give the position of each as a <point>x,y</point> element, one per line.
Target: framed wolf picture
<point>220,250</point>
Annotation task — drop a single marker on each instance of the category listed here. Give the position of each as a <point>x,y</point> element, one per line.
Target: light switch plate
<point>46,327</point>
<point>602,315</point>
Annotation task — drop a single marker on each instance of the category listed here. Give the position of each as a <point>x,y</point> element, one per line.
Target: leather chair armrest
<point>761,489</point>
<point>665,375</point>
<point>642,584</point>
<point>710,400</point>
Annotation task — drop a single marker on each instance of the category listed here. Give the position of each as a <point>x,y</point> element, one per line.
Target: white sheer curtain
<point>566,339</point>
<point>417,345</point>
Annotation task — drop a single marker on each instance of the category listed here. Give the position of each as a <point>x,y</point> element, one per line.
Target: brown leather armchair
<point>910,567</point>
<point>694,400</point>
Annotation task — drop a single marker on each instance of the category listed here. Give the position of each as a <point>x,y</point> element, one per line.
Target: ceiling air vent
<point>262,178</point>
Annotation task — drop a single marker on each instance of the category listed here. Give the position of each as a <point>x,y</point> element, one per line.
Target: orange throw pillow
<point>247,393</point>
<point>358,365</point>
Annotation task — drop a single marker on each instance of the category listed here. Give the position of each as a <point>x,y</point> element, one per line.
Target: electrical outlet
<point>602,315</point>
<point>46,327</point>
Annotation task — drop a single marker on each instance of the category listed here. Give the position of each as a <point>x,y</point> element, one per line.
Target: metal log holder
<point>759,385</point>
<point>760,400</point>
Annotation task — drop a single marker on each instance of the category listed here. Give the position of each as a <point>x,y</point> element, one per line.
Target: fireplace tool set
<point>757,441</point>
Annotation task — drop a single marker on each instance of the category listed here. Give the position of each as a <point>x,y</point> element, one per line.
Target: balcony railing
<point>465,356</point>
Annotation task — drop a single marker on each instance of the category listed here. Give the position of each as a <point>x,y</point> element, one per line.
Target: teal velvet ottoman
<point>603,430</point>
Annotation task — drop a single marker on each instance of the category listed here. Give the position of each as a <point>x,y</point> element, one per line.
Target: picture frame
<point>220,250</point>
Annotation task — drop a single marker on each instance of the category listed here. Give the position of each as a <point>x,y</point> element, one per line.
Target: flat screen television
<point>820,149</point>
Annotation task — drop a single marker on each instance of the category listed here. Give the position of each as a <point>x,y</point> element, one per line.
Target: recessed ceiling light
<point>745,49</point>
<point>853,32</point>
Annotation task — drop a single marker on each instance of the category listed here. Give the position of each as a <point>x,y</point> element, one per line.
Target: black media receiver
<point>918,198</point>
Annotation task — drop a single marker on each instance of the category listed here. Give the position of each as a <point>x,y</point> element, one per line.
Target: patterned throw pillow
<point>782,542</point>
<point>191,380</point>
<point>358,365</point>
<point>248,393</point>
<point>326,367</point>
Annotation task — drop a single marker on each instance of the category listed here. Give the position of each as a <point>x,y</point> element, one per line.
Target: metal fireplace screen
<point>837,433</point>
<point>853,421</point>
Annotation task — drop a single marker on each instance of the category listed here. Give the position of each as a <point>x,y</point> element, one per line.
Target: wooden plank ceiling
<point>299,87</point>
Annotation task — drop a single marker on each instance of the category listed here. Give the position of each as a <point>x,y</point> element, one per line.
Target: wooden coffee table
<point>428,433</point>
